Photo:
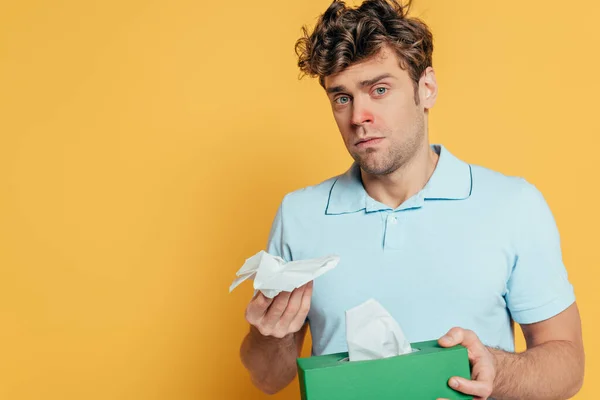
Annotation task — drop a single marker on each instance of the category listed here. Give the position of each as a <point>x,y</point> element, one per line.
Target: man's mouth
<point>368,141</point>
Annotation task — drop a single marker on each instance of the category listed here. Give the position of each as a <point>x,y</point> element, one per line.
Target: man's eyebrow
<point>368,82</point>
<point>337,89</point>
<point>373,81</point>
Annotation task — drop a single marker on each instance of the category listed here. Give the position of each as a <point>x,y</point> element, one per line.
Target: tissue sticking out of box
<point>372,333</point>
<point>273,275</point>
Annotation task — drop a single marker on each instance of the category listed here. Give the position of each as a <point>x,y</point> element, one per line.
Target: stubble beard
<point>381,162</point>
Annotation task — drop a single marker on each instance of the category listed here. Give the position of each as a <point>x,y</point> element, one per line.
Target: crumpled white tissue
<point>273,275</point>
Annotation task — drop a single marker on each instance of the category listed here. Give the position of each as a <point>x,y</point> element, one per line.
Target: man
<point>453,251</point>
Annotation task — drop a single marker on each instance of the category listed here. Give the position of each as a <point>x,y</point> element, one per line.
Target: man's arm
<point>271,361</point>
<point>553,365</point>
<point>551,368</point>
<point>277,331</point>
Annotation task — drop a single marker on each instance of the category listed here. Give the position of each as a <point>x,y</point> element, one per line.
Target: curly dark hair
<point>344,36</point>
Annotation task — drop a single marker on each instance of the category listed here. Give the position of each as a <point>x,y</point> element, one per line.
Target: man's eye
<point>381,90</point>
<point>342,100</point>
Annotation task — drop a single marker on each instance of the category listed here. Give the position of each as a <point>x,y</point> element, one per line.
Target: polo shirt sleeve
<point>538,287</point>
<point>276,244</point>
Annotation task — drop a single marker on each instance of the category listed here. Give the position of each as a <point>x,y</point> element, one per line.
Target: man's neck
<point>395,188</point>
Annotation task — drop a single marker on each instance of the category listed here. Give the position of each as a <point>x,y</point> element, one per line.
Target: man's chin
<point>377,169</point>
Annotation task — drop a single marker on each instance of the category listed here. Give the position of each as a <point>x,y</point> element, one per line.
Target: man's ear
<point>428,88</point>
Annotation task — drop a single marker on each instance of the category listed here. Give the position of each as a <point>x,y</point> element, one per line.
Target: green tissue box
<point>423,374</point>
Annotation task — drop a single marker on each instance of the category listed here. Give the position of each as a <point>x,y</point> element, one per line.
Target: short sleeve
<point>276,244</point>
<point>538,287</point>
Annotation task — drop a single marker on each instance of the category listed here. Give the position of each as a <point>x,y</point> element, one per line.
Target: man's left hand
<point>483,366</point>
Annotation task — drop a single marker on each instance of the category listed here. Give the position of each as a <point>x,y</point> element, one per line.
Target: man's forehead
<point>384,62</point>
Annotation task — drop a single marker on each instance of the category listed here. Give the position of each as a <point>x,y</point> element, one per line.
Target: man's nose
<point>361,114</point>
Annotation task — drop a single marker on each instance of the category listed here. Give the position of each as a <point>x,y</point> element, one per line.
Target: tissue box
<point>422,374</point>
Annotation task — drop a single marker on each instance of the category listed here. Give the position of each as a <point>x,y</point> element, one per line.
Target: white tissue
<point>372,333</point>
<point>273,275</point>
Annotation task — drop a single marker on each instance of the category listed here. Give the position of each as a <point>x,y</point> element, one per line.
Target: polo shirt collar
<point>451,180</point>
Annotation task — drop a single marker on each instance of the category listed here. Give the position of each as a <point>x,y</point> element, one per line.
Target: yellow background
<point>145,146</point>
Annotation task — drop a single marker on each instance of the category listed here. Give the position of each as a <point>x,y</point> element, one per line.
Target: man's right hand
<point>282,315</point>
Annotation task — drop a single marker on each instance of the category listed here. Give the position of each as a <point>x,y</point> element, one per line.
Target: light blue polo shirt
<point>474,248</point>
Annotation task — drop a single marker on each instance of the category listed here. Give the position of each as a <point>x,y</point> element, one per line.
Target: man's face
<point>374,107</point>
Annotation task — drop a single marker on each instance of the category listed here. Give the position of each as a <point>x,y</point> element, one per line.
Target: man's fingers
<point>282,315</point>
<point>309,288</point>
<point>479,389</point>
<point>257,308</point>
<point>300,317</point>
<point>455,336</point>
<point>463,337</point>
<point>483,373</point>
<point>292,309</point>
<point>276,309</point>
